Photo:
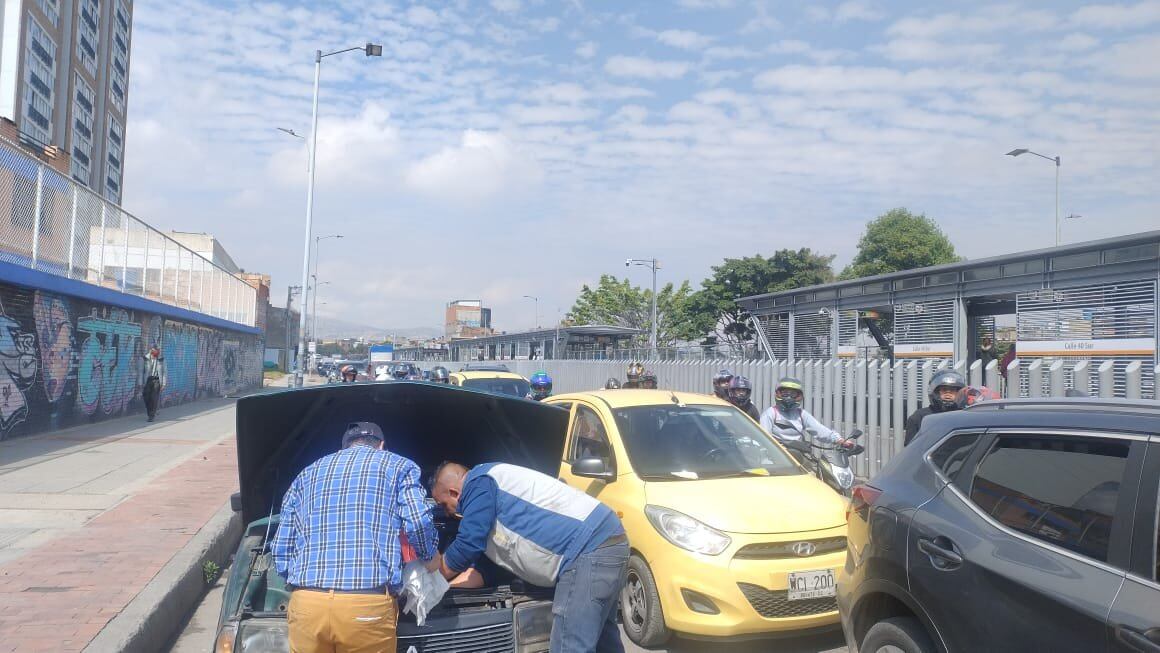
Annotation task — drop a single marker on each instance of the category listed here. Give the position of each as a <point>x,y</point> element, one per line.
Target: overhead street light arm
<point>371,50</point>
<point>1022,150</point>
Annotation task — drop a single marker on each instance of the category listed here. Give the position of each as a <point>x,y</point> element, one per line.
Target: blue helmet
<point>541,385</point>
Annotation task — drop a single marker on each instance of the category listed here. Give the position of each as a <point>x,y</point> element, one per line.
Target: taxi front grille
<point>775,604</point>
<point>490,639</point>
<point>780,550</point>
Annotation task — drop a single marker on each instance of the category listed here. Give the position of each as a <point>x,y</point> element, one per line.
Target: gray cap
<point>356,430</point>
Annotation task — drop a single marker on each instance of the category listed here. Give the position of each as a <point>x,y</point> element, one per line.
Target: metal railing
<point>871,395</point>
<point>56,225</point>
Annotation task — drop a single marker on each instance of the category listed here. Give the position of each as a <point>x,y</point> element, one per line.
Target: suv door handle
<point>942,553</point>
<point>1136,639</point>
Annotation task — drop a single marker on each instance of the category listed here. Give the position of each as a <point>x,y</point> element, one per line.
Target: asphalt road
<point>198,634</point>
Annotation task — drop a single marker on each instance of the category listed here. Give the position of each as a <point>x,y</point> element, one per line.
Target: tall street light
<point>537,301</point>
<point>370,50</point>
<point>314,309</point>
<point>1055,159</point>
<point>314,297</point>
<point>654,265</point>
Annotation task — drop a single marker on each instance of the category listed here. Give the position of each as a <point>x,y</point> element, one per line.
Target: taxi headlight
<point>264,636</point>
<point>226,639</point>
<point>533,626</point>
<point>686,532</point>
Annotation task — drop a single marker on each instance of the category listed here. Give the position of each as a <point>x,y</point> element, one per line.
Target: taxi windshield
<point>698,442</point>
<point>512,387</point>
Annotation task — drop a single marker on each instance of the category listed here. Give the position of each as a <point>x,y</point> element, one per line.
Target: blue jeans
<point>584,606</point>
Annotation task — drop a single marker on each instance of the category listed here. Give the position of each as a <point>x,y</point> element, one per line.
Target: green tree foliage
<point>900,240</point>
<point>617,302</point>
<point>714,308</point>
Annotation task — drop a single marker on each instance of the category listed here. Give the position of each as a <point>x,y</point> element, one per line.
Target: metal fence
<point>873,395</point>
<point>59,226</point>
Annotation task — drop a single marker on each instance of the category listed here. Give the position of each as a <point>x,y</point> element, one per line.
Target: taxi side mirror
<point>593,468</point>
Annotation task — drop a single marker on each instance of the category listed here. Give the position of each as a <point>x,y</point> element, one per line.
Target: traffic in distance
<point>1002,525</point>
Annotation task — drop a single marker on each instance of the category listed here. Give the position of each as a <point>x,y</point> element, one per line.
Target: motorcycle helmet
<point>634,371</point>
<point>648,380</point>
<point>349,374</point>
<point>789,394</point>
<point>946,379</point>
<point>740,391</point>
<point>400,373</point>
<point>541,386</point>
<point>721,383</point>
<point>440,375</point>
<point>612,384</point>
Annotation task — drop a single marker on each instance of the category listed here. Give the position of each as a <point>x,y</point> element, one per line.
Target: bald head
<point>448,486</point>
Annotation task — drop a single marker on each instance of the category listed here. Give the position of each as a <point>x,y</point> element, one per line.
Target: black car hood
<point>280,433</point>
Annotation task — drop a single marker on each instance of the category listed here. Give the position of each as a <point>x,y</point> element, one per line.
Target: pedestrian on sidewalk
<point>547,533</point>
<point>154,380</point>
<point>339,548</point>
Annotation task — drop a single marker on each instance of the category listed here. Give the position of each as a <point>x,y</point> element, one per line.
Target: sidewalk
<point>90,515</point>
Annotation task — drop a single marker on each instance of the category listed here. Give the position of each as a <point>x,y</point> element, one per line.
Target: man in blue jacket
<point>546,533</point>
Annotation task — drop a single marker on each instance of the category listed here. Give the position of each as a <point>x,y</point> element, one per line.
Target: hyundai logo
<point>803,549</point>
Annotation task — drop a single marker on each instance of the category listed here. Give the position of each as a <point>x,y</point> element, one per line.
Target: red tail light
<point>861,498</point>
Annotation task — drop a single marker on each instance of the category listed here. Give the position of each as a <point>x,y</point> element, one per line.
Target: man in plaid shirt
<point>338,544</point>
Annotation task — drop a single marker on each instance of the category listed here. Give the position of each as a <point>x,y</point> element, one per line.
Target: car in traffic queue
<point>497,380</point>
<point>1016,525</point>
<point>280,433</point>
<point>730,536</point>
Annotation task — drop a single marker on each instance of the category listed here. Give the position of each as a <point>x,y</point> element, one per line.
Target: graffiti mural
<point>66,361</point>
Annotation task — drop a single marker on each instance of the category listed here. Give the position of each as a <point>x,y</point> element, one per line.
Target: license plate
<point>815,584</point>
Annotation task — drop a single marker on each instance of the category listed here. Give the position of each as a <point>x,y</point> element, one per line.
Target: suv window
<point>949,456</point>
<point>589,439</point>
<point>1058,489</point>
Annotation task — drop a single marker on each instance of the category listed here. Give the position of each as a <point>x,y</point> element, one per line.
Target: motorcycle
<point>831,464</point>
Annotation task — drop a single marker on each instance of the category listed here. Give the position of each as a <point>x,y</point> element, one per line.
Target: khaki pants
<point>334,622</point>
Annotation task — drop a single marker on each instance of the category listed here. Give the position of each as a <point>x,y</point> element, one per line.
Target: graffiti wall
<point>66,361</point>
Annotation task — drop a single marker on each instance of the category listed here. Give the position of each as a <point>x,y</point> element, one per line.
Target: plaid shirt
<point>341,520</point>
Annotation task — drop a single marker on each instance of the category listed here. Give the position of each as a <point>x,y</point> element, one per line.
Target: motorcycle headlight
<point>686,532</point>
<point>533,626</point>
<point>264,636</point>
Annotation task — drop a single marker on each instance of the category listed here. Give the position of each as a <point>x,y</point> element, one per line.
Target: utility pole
<point>286,323</point>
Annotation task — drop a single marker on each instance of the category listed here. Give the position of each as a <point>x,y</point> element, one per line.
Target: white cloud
<point>1135,16</point>
<point>506,6</point>
<point>643,67</point>
<point>1135,59</point>
<point>422,16</point>
<point>587,49</point>
<point>706,4</point>
<point>481,166</point>
<point>991,19</point>
<point>684,39</point>
<point>762,22</point>
<point>857,10</point>
<point>630,113</point>
<point>1076,42</point>
<point>545,25</point>
<point>907,49</point>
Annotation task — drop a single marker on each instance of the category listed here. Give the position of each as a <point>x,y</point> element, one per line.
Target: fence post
<point>976,373</point>
<point>72,233</point>
<point>145,267</point>
<point>1055,379</point>
<point>189,288</point>
<point>901,372</point>
<point>1107,376</point>
<point>1012,378</point>
<point>830,375</point>
<point>1132,380</point>
<point>873,442</point>
<point>807,379</point>
<point>918,387</point>
<point>36,206</point>
<point>1081,378</point>
<point>885,442</point>
<point>1035,378</point>
<point>856,407</point>
<point>991,374</point>
<point>1155,375</point>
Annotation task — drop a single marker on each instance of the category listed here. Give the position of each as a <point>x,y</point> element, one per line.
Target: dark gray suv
<point>1024,525</point>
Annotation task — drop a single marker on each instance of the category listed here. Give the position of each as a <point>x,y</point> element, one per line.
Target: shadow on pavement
<point>823,643</point>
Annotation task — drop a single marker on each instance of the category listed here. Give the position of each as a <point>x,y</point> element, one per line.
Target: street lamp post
<point>371,50</point>
<point>314,296</point>
<point>654,265</point>
<point>1056,160</point>
<point>537,301</point>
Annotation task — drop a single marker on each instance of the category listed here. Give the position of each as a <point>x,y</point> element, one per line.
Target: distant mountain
<point>333,328</point>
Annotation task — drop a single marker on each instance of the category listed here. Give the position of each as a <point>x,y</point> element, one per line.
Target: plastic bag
<point>422,590</point>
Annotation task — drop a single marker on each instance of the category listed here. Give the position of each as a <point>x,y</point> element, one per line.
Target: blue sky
<point>518,147</point>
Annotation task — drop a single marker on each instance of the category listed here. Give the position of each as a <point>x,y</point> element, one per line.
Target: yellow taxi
<point>730,536</point>
<point>497,380</point>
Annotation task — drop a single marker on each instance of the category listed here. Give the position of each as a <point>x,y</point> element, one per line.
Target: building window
<point>82,131</point>
<point>88,35</point>
<point>119,68</point>
<point>51,9</point>
<point>39,78</point>
<point>115,148</point>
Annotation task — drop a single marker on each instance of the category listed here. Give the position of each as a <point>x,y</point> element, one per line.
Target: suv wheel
<point>640,606</point>
<point>897,635</point>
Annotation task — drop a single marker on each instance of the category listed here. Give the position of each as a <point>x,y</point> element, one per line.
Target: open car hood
<point>280,433</point>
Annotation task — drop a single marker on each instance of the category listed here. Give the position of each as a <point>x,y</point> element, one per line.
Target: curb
<point>149,622</point>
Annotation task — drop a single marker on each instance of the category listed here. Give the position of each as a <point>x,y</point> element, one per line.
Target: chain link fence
<point>59,226</point>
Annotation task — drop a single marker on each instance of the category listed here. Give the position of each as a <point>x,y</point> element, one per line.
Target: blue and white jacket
<point>526,522</point>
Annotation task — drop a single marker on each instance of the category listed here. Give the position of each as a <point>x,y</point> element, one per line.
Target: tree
<point>714,308</point>
<point>900,240</point>
<point>617,302</point>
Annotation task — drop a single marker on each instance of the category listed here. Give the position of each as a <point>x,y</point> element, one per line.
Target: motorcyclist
<point>721,384</point>
<point>541,386</point>
<point>740,394</point>
<point>439,375</point>
<point>648,380</point>
<point>945,396</point>
<point>349,374</point>
<point>612,384</point>
<point>400,373</point>
<point>635,370</point>
<point>787,409</point>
